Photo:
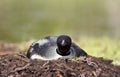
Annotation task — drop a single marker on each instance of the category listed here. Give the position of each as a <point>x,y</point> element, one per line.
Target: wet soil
<point>18,65</point>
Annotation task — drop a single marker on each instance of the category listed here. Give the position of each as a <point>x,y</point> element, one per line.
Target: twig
<point>94,73</point>
<point>61,65</point>
<point>20,68</point>
<point>91,63</point>
<point>22,55</point>
<point>46,63</point>
<point>25,59</point>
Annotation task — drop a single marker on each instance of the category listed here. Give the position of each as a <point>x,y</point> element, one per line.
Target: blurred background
<point>93,24</point>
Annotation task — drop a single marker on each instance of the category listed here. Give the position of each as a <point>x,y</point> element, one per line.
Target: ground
<point>18,65</point>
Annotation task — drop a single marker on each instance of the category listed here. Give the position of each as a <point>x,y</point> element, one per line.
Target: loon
<point>54,47</point>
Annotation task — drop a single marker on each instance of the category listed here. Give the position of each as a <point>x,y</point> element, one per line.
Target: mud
<point>18,65</point>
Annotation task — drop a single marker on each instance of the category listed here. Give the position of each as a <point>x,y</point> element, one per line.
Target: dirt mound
<point>17,65</point>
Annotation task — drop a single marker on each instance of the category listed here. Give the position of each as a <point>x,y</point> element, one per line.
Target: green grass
<point>105,47</point>
<point>24,19</point>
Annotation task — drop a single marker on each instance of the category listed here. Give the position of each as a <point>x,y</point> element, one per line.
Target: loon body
<point>54,47</point>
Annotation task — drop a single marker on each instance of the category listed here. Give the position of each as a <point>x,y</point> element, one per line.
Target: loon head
<point>63,43</point>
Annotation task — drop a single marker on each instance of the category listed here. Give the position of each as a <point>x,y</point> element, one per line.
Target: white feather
<point>42,41</point>
<point>35,56</point>
<point>31,50</point>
